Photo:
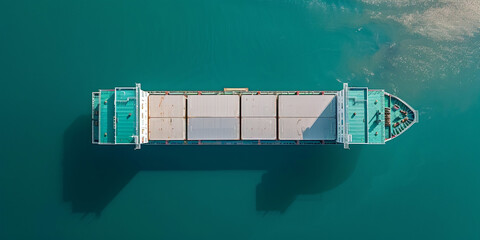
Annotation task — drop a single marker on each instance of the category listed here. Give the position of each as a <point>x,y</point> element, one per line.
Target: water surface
<point>55,185</point>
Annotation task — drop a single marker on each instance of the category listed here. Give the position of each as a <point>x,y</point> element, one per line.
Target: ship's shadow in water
<point>93,175</point>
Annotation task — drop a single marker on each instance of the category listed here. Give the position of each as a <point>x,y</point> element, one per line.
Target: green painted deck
<point>95,112</point>
<point>107,110</point>
<point>388,104</point>
<point>376,116</point>
<point>397,117</point>
<point>357,109</point>
<point>126,115</point>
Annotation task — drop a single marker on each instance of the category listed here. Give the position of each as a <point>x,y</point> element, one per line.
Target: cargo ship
<point>353,115</point>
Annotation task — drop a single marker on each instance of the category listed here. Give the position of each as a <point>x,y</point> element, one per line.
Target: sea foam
<point>442,20</point>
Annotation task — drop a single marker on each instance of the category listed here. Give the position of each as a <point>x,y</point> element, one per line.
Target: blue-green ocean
<point>55,185</point>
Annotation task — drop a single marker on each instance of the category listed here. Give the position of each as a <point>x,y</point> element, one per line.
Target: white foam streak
<point>449,20</point>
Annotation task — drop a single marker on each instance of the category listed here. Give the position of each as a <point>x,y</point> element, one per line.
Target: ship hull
<point>237,116</point>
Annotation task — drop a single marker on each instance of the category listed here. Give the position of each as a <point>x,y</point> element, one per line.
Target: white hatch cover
<point>307,117</point>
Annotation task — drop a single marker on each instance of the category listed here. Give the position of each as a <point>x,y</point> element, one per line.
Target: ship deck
<point>354,115</point>
<point>125,115</point>
<point>105,119</point>
<point>400,116</point>
<point>365,116</point>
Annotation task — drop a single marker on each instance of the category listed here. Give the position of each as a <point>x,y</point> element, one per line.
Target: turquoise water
<point>55,185</point>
